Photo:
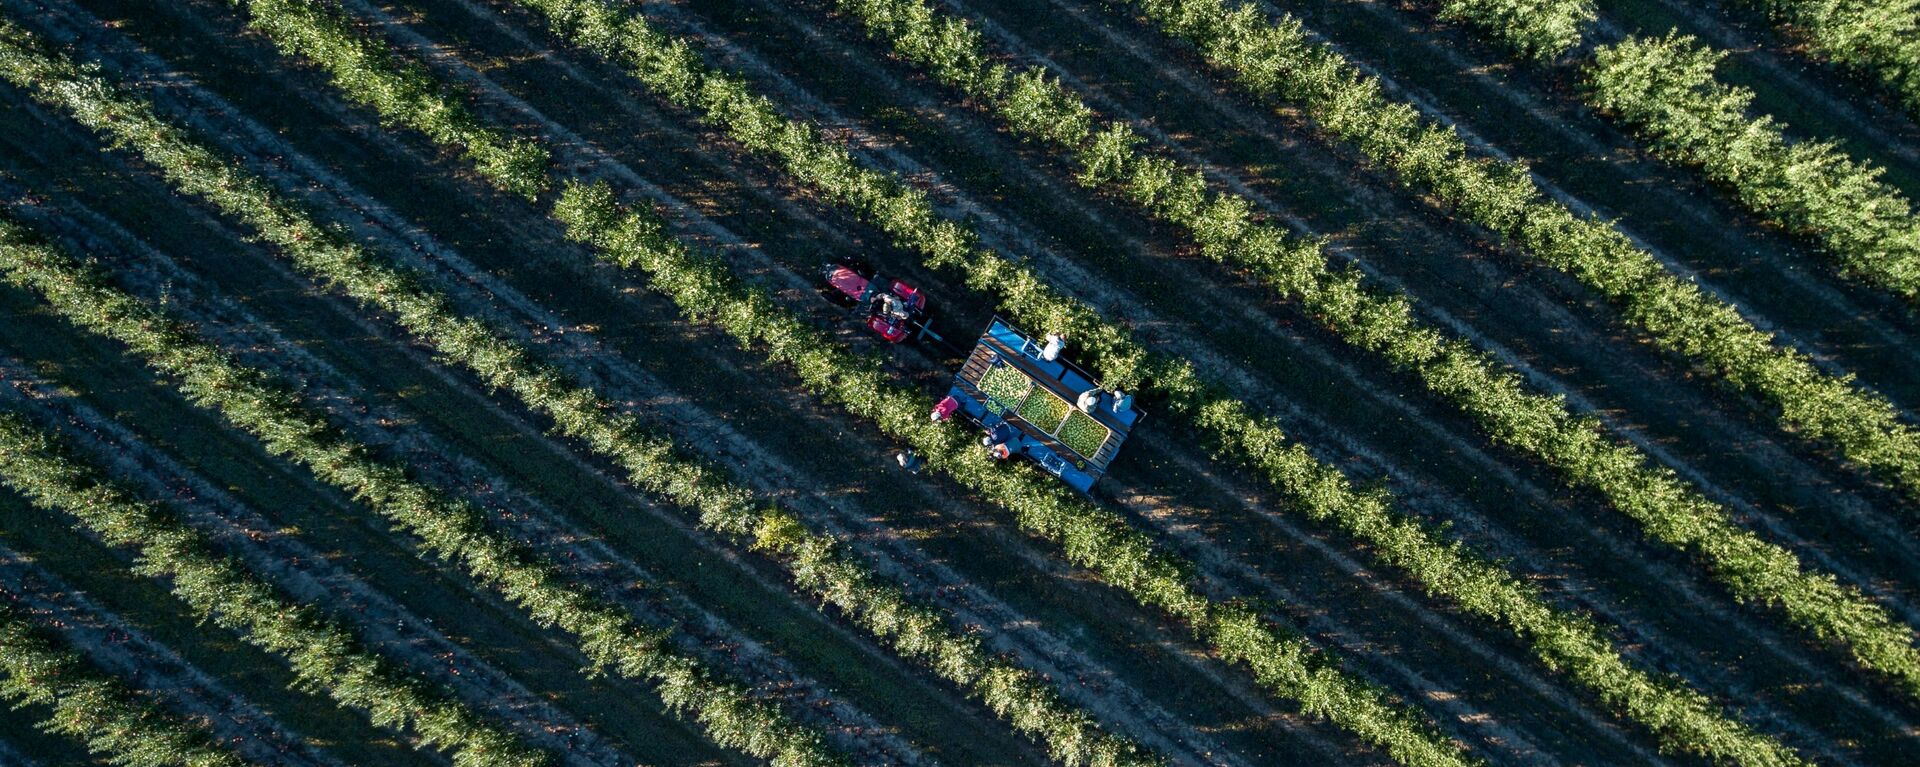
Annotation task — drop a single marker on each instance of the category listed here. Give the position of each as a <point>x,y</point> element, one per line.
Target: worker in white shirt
<point>1051,351</point>
<point>1089,400</point>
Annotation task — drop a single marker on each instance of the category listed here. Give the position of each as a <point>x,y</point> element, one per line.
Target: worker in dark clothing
<point>999,434</point>
<point>910,460</point>
<point>1002,441</point>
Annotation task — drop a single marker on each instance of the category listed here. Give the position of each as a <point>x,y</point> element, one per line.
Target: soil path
<point>542,323</point>
<point>579,554</point>
<point>1768,455</point>
<point>778,275</point>
<point>142,664</point>
<point>13,757</point>
<point>859,731</point>
<point>1816,99</point>
<point>769,472</point>
<point>308,575</point>
<point>870,78</point>
<point>495,291</point>
<point>1582,160</point>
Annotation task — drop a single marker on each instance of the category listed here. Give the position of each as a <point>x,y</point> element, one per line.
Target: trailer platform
<point>1005,380</point>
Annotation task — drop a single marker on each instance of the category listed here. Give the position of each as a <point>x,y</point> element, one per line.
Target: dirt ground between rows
<point>1204,514</point>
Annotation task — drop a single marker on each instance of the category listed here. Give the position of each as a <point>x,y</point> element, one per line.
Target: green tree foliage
<point>1092,537</point>
<point>818,564</point>
<point>1666,506</point>
<point>1007,691</point>
<point>1275,60</point>
<point>374,75</point>
<point>325,655</point>
<point>1664,90</point>
<point>1876,38</point>
<point>91,706</point>
<point>446,527</point>
<point>910,219</point>
<point>1684,718</point>
<point>1538,29</point>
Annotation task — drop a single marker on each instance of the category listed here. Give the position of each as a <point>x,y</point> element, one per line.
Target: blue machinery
<point>1031,405</point>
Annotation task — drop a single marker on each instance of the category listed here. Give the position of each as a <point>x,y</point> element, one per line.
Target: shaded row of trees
<point>325,655</point>
<point>1108,155</point>
<point>1536,29</point>
<point>820,566</point>
<point>1275,61</point>
<point>118,724</point>
<point>445,526</point>
<point>1879,39</point>
<point>1039,109</point>
<point>1664,90</point>
<point>1238,632</point>
<point>1092,537</point>
<point>401,90</point>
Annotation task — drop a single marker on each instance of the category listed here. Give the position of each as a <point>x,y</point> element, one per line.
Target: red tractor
<point>893,309</point>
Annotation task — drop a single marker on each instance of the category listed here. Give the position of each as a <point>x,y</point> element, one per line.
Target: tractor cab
<point>892,309</point>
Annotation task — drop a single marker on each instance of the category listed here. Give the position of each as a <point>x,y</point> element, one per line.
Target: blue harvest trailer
<point>1048,410</point>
